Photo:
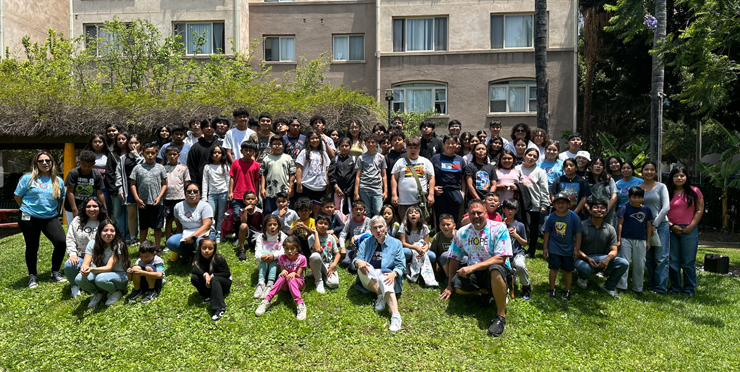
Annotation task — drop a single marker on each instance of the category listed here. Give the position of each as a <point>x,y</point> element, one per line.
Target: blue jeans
<point>71,271</point>
<point>657,261</point>
<point>407,252</point>
<point>109,282</point>
<point>120,215</point>
<point>108,201</point>
<point>219,204</point>
<point>269,206</point>
<point>183,249</point>
<point>238,206</point>
<point>616,269</point>
<point>683,257</point>
<point>373,202</point>
<point>267,270</point>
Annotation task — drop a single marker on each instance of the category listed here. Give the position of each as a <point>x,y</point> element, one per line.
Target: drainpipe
<point>575,66</point>
<point>71,20</point>
<point>2,34</point>
<point>377,49</point>
<point>236,26</point>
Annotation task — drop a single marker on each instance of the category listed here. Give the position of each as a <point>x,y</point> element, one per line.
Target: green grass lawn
<point>44,329</point>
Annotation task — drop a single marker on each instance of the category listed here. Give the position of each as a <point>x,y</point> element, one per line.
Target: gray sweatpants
<point>319,270</point>
<point>634,252</point>
<point>521,269</point>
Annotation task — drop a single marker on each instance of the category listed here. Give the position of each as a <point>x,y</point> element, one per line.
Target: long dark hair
<point>603,177</point>
<point>689,195</point>
<point>117,245</point>
<point>307,148</point>
<point>105,150</point>
<point>223,157</point>
<point>407,224</point>
<point>475,156</point>
<point>608,167</point>
<point>102,215</point>
<point>493,156</point>
<point>268,218</point>
<point>158,138</point>
<point>501,155</point>
<point>111,144</point>
<point>200,262</point>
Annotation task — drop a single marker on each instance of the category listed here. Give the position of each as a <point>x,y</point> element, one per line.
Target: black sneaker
<point>136,293</point>
<point>566,295</point>
<point>497,327</point>
<point>242,256</point>
<point>57,277</point>
<point>552,294</point>
<point>149,296</point>
<point>218,314</point>
<point>639,294</point>
<point>621,291</point>
<point>527,292</point>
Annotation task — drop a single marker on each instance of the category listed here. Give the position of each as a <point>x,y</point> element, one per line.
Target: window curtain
<point>419,100</point>
<point>497,96</point>
<point>196,30</point>
<point>341,46</point>
<point>287,49</point>
<point>398,35</point>
<point>518,31</point>
<point>518,99</point>
<point>440,34</point>
<point>357,48</point>
<point>218,38</point>
<point>420,34</point>
<point>272,49</point>
<point>497,32</point>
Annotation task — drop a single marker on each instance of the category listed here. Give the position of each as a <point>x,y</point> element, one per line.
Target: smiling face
<point>455,129</point>
<point>507,161</point>
<point>648,172</point>
<point>551,153</point>
<point>520,132</point>
<point>92,210</point>
<point>679,180</point>
<point>328,208</point>
<point>354,129</point>
<point>597,167</point>
<point>314,141</point>
<point>164,134</point>
<point>530,158</point>
<point>241,122</point>
<point>614,166</point>
<point>496,146</point>
<point>108,233</point>
<point>192,194</point>
<point>582,162</point>
<point>111,132</point>
<point>598,210</point>
<point>221,128</point>
<point>477,214</point>
<point>627,171</point>
<point>265,124</point>
<point>450,146</point>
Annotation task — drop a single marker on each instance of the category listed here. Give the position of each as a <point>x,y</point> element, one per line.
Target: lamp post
<point>389,99</point>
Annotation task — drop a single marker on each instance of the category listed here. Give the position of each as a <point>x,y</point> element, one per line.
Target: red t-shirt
<point>246,175</point>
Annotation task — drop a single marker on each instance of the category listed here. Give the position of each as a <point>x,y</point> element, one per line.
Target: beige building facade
<point>19,18</point>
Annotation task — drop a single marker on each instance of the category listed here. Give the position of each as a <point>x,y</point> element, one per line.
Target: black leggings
<point>533,233</point>
<point>219,289</point>
<point>53,230</point>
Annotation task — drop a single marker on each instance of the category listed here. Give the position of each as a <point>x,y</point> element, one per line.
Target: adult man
<point>234,138</point>
<point>200,151</point>
<point>599,250</point>
<point>380,265</point>
<point>318,123</point>
<point>488,246</point>
<point>495,128</point>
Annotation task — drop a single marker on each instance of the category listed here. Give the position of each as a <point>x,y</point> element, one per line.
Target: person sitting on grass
<point>292,267</point>
<point>358,225</point>
<point>147,274</point>
<point>194,217</point>
<point>211,276</point>
<point>251,225</point>
<point>80,232</point>
<point>325,256</point>
<point>103,269</point>
<point>441,243</point>
<point>518,234</point>
<point>287,215</point>
<point>562,243</point>
<point>488,245</point>
<point>302,227</point>
<point>336,225</point>
<point>268,246</point>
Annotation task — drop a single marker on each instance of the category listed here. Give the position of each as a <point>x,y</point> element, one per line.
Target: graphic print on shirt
<point>377,256</point>
<point>293,147</point>
<point>270,246</point>
<point>291,266</point>
<point>572,189</point>
<point>561,228</point>
<point>418,167</point>
<point>639,216</point>
<point>450,166</point>
<point>482,180</point>
<point>84,187</point>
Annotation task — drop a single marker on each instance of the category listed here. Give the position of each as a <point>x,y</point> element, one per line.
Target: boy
<point>293,139</point>
<point>177,177</point>
<point>518,234</point>
<point>237,135</point>
<point>492,209</point>
<point>194,133</point>
<point>325,256</point>
<point>385,144</point>
<point>82,183</point>
<point>244,176</point>
<point>454,127</point>
<point>430,143</point>
<point>200,152</point>
<point>287,215</point>
<point>148,186</point>
<point>278,174</point>
<point>356,226</point>
<point>147,274</point>
<point>562,243</point>
<point>398,122</point>
<point>495,128</point>
<point>251,222</point>
<point>404,187</point>
<point>254,125</point>
<point>304,225</point>
<point>634,231</point>
<point>574,145</point>
<point>440,244</point>
<point>397,151</point>
<point>222,125</point>
<point>178,140</point>
<point>264,135</point>
<point>335,223</point>
<point>371,184</point>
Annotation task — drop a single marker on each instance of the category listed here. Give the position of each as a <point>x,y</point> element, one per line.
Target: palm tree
<point>656,94</point>
<point>540,62</point>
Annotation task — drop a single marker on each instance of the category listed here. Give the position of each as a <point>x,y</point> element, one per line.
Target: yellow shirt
<point>303,233</point>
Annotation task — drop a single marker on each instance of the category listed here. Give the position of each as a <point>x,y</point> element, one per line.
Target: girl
<point>495,145</point>
<point>552,165</point>
<point>216,186</point>
<point>103,270</point>
<point>117,208</point>
<point>628,180</point>
<point>469,156</point>
<point>379,128</point>
<point>211,276</point>
<point>414,235</point>
<point>519,146</point>
<point>40,195</point>
<point>342,178</point>
<point>334,135</point>
<point>97,145</point>
<point>482,136</point>
<point>479,175</point>
<point>81,230</point>
<point>571,184</point>
<point>162,136</point>
<point>687,208</point>
<point>465,140</point>
<point>126,165</point>
<point>603,187</point>
<point>292,264</point>
<point>656,198</point>
<point>615,168</point>
<point>541,139</point>
<point>268,247</point>
<point>312,171</point>
<point>448,171</point>
<point>583,160</point>
<point>357,145</point>
<point>535,179</point>
<point>111,135</point>
<point>507,176</point>
<point>391,220</point>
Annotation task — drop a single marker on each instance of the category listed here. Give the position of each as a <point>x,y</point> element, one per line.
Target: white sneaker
<point>113,298</point>
<point>218,239</point>
<point>380,302</point>
<point>583,283</point>
<point>75,291</point>
<point>95,300</point>
<point>395,323</point>
<point>266,291</point>
<point>612,292</point>
<point>264,305</point>
<point>320,287</point>
<point>258,292</point>
<point>600,274</point>
<point>301,314</point>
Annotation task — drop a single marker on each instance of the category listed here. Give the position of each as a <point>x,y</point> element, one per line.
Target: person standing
<point>201,151</point>
<point>687,208</point>
<point>656,199</point>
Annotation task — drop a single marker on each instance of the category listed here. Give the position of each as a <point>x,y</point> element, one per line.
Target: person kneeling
<point>147,274</point>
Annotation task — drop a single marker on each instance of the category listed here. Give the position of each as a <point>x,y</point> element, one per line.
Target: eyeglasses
<point>44,161</point>
<point>190,192</point>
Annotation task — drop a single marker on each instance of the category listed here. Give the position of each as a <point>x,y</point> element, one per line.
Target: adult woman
<point>103,270</point>
<point>111,133</point>
<point>615,168</point>
<point>97,145</point>
<point>126,165</point>
<point>687,208</point>
<point>162,136</point>
<point>656,198</point>
<point>628,180</point>
<point>194,218</point>
<point>354,133</point>
<point>380,265</point>
<point>472,143</point>
<point>81,230</point>
<point>495,146</point>
<point>117,209</point>
<point>541,139</point>
<point>535,179</point>
<point>520,131</point>
<point>39,195</point>
<point>508,176</point>
<point>602,187</point>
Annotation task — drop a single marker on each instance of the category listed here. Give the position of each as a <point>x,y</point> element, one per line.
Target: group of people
<point>462,209</point>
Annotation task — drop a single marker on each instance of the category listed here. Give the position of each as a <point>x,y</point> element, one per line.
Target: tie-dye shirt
<point>479,246</point>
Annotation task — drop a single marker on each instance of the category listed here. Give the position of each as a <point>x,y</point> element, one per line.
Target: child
<point>449,188</point>
<point>264,134</point>
<point>492,205</point>
<point>278,174</point>
<point>552,165</point>
<point>385,144</point>
<point>574,145</point>
<point>563,237</point>
<point>268,246</point>
<point>441,242</point>
<point>312,170</point>
<point>291,279</point>
<point>244,175</point>
<point>211,276</point>
<point>414,235</point>
<point>302,227</point>
<point>287,215</point>
<point>148,185</point>
<point>147,274</point>
<point>179,133</point>
<point>391,220</point>
<point>177,177</point>
<point>357,225</point>
<point>371,184</point>
<point>342,177</point>
<point>518,234</point>
<point>336,224</point>
<point>571,185</point>
<point>82,183</point>
<point>634,231</point>
<point>404,185</point>
<point>325,256</point>
<point>216,182</point>
<point>251,223</point>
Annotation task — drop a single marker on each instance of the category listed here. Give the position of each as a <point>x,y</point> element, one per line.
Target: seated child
<point>336,224</point>
<point>211,276</point>
<point>287,215</point>
<point>267,248</point>
<point>562,243</point>
<point>325,256</point>
<point>147,274</point>
<point>303,226</point>
<point>492,205</point>
<point>518,234</point>
<point>414,236</point>
<point>292,264</point>
<point>441,243</point>
<point>391,220</point>
<point>356,226</point>
<point>251,224</point>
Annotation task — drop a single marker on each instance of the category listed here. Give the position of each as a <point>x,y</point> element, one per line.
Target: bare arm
<point>580,205</point>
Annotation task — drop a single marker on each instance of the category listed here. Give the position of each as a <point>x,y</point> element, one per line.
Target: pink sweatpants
<point>293,286</point>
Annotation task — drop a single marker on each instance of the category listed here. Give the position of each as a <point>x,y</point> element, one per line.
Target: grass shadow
<point>708,321</point>
<point>22,282</point>
<point>473,305</point>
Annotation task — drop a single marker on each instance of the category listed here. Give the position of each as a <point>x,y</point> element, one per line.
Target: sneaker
<point>165,250</point>
<point>497,327</point>
<point>96,298</point>
<point>688,294</point>
<point>320,287</point>
<point>207,300</point>
<point>57,277</point>
<point>552,294</point>
<point>235,243</point>
<point>600,274</point>
<point>639,294</point>
<point>32,281</point>
<point>621,291</point>
<point>264,305</point>
<point>583,283</point>
<point>75,291</point>
<point>267,290</point>
<point>136,293</point>
<point>113,298</point>
<point>149,296</point>
<point>218,239</point>
<point>301,312</point>
<point>611,292</point>
<point>526,292</point>
<point>380,303</point>
<point>395,322</point>
<point>242,255</point>
<point>259,290</point>
<point>527,255</point>
<point>566,295</point>
<point>217,315</point>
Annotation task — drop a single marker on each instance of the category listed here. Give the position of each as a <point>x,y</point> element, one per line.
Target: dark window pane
<point>398,35</point>
<point>497,32</point>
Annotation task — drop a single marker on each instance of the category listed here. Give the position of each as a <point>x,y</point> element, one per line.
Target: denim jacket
<point>393,260</point>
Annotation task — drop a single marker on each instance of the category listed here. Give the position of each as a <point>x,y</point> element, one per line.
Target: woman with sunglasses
<point>520,131</point>
<point>194,218</point>
<point>39,195</point>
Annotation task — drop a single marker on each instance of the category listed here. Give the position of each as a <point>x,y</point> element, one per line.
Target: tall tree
<point>540,63</point>
<point>658,77</point>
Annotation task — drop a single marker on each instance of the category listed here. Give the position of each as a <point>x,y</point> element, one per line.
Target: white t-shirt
<point>233,141</point>
<point>407,189</point>
<point>314,174</point>
<point>566,155</point>
<point>191,219</point>
<point>330,142</point>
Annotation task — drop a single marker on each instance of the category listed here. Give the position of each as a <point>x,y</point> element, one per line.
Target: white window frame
<point>98,27</point>
<point>503,41</point>
<point>434,33</point>
<point>186,35</point>
<point>530,87</point>
<point>348,37</point>
<point>280,47</point>
<point>405,88</point>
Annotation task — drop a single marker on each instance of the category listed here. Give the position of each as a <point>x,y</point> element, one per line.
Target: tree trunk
<point>656,101</point>
<point>725,222</point>
<point>540,64</point>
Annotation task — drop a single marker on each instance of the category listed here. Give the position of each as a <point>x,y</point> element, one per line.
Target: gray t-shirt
<point>597,240</point>
<point>370,176</point>
<point>148,179</point>
<point>192,218</point>
<point>107,254</point>
<point>329,244</point>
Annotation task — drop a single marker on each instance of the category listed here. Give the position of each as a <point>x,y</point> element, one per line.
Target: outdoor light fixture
<point>389,99</point>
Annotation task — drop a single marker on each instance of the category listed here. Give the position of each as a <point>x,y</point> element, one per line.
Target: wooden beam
<point>69,163</point>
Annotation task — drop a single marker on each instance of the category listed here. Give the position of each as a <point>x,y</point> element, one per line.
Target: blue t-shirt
<point>563,232</point>
<point>623,189</point>
<point>37,197</point>
<point>576,188</point>
<point>182,159</point>
<point>448,171</point>
<point>634,225</point>
<point>554,169</point>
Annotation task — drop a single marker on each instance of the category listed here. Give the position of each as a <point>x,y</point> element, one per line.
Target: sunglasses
<point>43,161</point>
<point>521,131</point>
<point>192,191</point>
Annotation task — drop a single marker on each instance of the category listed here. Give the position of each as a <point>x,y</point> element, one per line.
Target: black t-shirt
<point>448,171</point>
<point>430,148</point>
<point>82,186</point>
<point>575,188</point>
<point>483,176</point>
<point>377,257</point>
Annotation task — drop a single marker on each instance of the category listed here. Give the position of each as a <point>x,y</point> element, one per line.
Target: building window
<point>279,48</point>
<point>349,47</point>
<point>98,38</point>
<point>412,34</point>
<point>511,31</point>
<point>201,37</point>
<point>420,97</point>
<point>513,96</point>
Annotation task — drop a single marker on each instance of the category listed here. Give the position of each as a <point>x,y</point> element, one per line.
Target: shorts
<point>481,279</point>
<point>151,217</point>
<point>130,200</point>
<point>558,262</point>
<point>169,207</point>
<point>314,196</point>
